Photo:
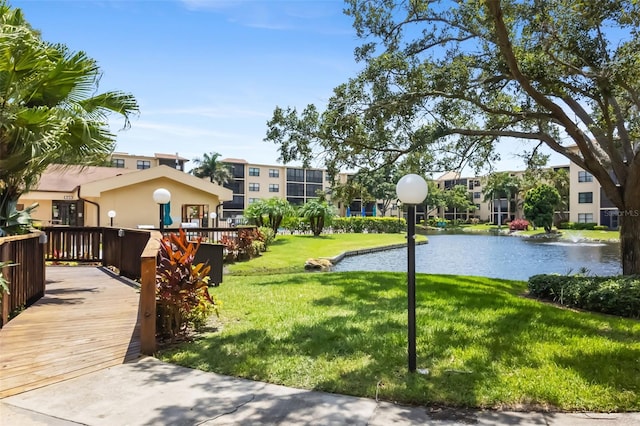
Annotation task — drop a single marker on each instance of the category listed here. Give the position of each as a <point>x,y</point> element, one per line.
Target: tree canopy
<point>210,167</point>
<point>446,81</point>
<point>539,205</point>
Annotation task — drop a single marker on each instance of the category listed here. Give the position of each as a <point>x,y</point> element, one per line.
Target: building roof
<point>66,178</point>
<point>95,188</point>
<point>234,160</point>
<point>170,156</point>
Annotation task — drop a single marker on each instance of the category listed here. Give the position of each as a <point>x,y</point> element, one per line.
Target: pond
<point>494,256</point>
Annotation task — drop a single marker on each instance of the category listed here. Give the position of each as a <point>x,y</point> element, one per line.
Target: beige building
<point>123,160</point>
<point>253,182</point>
<point>588,202</point>
<point>86,196</point>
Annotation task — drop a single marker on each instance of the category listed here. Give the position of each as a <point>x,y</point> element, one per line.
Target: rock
<point>317,264</point>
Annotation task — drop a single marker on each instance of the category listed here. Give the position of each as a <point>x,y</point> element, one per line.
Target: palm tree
<point>49,110</point>
<point>210,167</point>
<point>499,185</point>
<point>269,212</point>
<point>318,212</point>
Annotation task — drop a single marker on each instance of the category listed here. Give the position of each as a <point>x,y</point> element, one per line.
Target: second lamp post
<point>411,190</point>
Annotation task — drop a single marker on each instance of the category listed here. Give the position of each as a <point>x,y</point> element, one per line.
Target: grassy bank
<point>289,252</point>
<point>565,234</point>
<point>484,344</point>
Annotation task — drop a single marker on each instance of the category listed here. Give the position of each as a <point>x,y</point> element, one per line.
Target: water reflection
<point>494,256</point>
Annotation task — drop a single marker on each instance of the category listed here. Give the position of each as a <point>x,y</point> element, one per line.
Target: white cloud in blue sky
<point>207,73</point>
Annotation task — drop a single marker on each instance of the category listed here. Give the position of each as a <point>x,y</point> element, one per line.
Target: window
<point>274,187</point>
<point>253,200</point>
<point>585,177</point>
<point>312,190</point>
<point>477,206</point>
<point>585,217</point>
<point>254,171</point>
<point>254,187</point>
<point>585,197</point>
<point>314,176</point>
<point>295,190</point>
<point>477,195</point>
<point>143,164</point>
<point>118,163</point>
<point>295,175</point>
<point>274,173</point>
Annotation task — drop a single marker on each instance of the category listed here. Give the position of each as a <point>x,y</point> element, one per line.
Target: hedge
<point>618,295</point>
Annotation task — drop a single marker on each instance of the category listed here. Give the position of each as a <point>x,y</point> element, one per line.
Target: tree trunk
<point>630,241</point>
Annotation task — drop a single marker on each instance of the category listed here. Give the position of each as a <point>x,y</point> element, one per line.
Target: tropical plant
<point>208,166</point>
<point>4,283</point>
<point>458,198</point>
<point>50,112</point>
<point>17,222</point>
<point>181,285</point>
<point>448,80</point>
<point>539,205</point>
<point>269,212</point>
<point>501,185</point>
<point>319,213</point>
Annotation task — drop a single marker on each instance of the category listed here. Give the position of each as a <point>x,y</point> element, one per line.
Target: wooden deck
<point>87,321</point>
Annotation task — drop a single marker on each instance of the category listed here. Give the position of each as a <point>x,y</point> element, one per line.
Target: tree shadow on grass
<point>471,334</point>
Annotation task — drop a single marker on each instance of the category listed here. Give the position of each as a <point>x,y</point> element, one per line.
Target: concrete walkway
<point>150,392</point>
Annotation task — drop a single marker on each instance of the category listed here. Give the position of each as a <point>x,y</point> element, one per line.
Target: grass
<point>289,252</point>
<point>485,345</point>
<point>565,234</point>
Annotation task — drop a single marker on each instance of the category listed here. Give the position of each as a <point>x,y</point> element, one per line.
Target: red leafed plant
<point>181,285</point>
<point>519,225</point>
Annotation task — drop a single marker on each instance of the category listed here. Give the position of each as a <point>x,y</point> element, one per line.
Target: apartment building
<point>588,202</point>
<point>254,182</point>
<point>124,160</point>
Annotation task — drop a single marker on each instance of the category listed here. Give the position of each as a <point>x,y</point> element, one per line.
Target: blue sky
<point>209,73</point>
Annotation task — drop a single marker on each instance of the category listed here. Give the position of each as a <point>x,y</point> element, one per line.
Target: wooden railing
<point>27,277</point>
<point>131,252</point>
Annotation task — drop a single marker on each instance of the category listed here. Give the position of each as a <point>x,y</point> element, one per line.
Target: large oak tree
<point>449,79</point>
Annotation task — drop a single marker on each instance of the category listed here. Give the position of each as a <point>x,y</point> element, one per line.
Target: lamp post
<point>213,216</point>
<point>411,190</point>
<point>161,196</point>
<point>111,214</point>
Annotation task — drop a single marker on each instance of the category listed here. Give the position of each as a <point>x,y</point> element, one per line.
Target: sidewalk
<point>150,392</point>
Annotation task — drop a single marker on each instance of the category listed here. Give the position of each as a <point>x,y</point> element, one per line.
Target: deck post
<point>148,306</point>
<point>148,263</point>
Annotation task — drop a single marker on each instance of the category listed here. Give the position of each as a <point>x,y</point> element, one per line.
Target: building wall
<point>583,183</point>
<point>134,205</point>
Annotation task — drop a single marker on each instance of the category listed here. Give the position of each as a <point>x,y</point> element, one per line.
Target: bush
<point>519,225</point>
<point>358,224</point>
<point>181,286</point>
<point>619,295</point>
<point>600,228</point>
<point>566,225</point>
<point>268,235</point>
<point>584,226</point>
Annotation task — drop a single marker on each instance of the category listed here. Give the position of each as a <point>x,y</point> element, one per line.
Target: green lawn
<point>567,234</point>
<point>485,345</point>
<point>289,252</point>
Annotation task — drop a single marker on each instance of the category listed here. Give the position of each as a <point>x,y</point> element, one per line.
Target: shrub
<point>181,285</point>
<point>600,228</point>
<point>519,225</point>
<point>566,225</point>
<point>619,295</point>
<point>584,226</point>
<point>267,235</point>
